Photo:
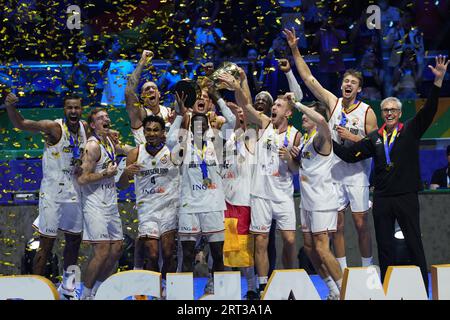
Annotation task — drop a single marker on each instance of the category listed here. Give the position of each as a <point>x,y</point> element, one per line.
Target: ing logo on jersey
<point>198,187</point>
<point>190,229</point>
<point>261,228</point>
<point>154,190</point>
<point>164,159</point>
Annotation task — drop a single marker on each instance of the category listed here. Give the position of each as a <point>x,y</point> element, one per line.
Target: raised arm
<point>253,116</point>
<point>361,150</point>
<point>136,113</point>
<point>322,142</point>
<point>217,99</point>
<point>423,119</point>
<point>310,81</point>
<point>293,84</point>
<point>90,157</point>
<point>49,127</point>
<point>174,132</point>
<point>244,95</point>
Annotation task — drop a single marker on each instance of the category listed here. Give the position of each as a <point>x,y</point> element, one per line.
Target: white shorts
<point>318,221</point>
<point>264,210</point>
<point>65,216</point>
<point>153,223</point>
<point>202,222</point>
<point>356,196</point>
<point>102,224</point>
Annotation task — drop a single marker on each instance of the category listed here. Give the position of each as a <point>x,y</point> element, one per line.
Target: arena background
<point>38,53</point>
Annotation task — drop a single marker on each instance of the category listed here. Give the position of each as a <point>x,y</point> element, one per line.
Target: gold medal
<point>389,166</point>
<point>76,162</point>
<point>207,181</point>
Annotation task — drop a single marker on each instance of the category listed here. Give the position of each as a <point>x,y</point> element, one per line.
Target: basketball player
<point>318,217</point>
<point>202,201</point>
<point>237,178</point>
<point>272,184</point>
<point>102,226</point>
<point>157,193</point>
<point>59,197</point>
<point>147,104</point>
<point>350,121</point>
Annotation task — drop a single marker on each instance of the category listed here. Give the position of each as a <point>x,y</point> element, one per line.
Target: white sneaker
<point>66,294</point>
<point>91,297</point>
<point>209,288</point>
<point>333,296</point>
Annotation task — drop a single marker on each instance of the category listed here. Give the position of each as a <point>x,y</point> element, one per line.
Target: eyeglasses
<point>387,111</point>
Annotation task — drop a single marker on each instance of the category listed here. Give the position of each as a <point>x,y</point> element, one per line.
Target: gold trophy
<point>225,67</point>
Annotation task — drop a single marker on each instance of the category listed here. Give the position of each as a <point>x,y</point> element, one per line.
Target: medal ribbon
<point>152,149</point>
<point>388,146</point>
<point>306,138</point>
<point>201,157</point>
<point>344,119</point>
<point>74,145</point>
<point>108,148</point>
<point>286,137</point>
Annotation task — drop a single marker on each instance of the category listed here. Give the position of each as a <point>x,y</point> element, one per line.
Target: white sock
<point>342,262</point>
<point>68,281</point>
<point>249,274</point>
<point>339,284</point>
<point>86,292</point>
<point>331,285</point>
<point>263,280</point>
<point>365,262</point>
<point>95,288</point>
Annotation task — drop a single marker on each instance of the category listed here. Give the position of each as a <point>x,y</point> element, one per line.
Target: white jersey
<point>101,193</point>
<point>58,180</point>
<point>198,195</point>
<point>138,133</point>
<point>316,184</point>
<point>272,179</point>
<point>237,171</point>
<point>158,180</point>
<point>350,173</point>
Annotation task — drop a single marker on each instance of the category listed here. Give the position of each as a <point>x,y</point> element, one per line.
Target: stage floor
<point>199,285</point>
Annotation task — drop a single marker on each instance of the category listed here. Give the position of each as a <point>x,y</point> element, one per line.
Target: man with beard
<point>202,201</point>
<point>59,200</point>
<point>350,121</point>
<point>147,104</point>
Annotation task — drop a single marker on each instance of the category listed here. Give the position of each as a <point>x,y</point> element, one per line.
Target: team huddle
<point>225,177</point>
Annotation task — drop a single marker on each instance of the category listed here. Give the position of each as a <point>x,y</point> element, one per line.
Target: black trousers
<point>404,208</point>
